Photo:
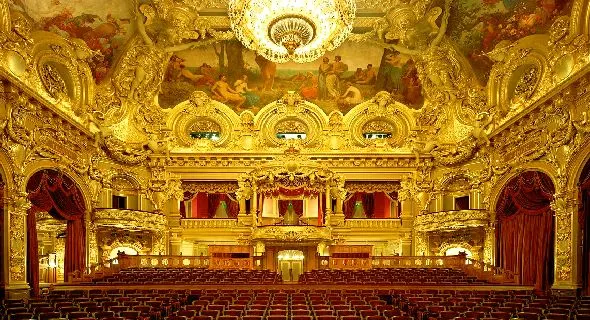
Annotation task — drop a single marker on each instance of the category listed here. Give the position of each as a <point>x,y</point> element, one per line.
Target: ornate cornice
<point>300,234</point>
<point>372,186</point>
<point>210,186</point>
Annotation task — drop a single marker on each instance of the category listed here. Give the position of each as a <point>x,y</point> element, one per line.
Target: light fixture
<point>298,30</point>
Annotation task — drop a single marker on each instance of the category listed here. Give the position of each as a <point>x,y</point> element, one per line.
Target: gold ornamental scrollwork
<point>291,112</point>
<point>130,219</point>
<point>372,186</point>
<point>449,220</point>
<point>564,207</point>
<point>291,234</point>
<point>202,114</point>
<point>291,171</point>
<point>210,186</point>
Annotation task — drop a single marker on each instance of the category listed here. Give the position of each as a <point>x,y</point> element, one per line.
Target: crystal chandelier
<point>298,30</point>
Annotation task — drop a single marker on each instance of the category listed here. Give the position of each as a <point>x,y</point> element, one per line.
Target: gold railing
<point>373,224</point>
<point>490,273</point>
<point>208,223</point>
<point>162,261</point>
<point>144,261</point>
<point>452,219</point>
<point>478,269</point>
<point>127,218</point>
<point>418,261</point>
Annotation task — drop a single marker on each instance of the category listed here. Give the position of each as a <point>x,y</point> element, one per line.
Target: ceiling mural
<point>479,26</point>
<point>475,26</point>
<point>238,77</point>
<point>104,25</point>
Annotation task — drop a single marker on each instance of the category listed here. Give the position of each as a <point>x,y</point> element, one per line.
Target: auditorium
<point>295,159</point>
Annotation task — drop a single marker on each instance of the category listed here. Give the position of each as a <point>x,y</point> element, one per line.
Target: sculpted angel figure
<point>412,30</point>
<point>145,62</point>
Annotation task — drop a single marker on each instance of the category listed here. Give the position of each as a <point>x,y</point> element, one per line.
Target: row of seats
<point>298,304</point>
<point>418,276</point>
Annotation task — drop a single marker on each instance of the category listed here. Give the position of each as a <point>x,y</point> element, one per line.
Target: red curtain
<point>214,199</point>
<point>526,228</point>
<point>368,204</point>
<point>51,191</point>
<point>297,206</point>
<point>584,222</point>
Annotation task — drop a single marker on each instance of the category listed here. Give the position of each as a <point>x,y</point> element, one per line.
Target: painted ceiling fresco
<point>105,25</point>
<point>351,74</point>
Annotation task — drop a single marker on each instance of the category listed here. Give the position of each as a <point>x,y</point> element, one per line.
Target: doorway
<point>290,264</point>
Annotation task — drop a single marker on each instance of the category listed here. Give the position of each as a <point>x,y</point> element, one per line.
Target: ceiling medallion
<point>297,30</point>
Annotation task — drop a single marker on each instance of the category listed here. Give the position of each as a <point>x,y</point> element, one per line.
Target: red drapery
<point>368,204</point>
<point>297,206</point>
<point>51,191</point>
<point>214,199</point>
<point>525,228</point>
<point>584,222</point>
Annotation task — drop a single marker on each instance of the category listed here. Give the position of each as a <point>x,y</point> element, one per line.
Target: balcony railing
<point>373,224</point>
<point>208,223</point>
<point>128,218</point>
<point>453,219</point>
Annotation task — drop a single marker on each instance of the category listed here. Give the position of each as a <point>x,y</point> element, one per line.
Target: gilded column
<point>91,243</point>
<point>421,241</point>
<point>17,205</point>
<point>489,244</point>
<point>242,205</point>
<point>328,200</point>
<point>339,206</point>
<point>565,207</point>
<point>254,206</point>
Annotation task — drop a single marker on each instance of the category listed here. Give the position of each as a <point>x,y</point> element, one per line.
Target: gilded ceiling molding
<point>382,114</point>
<point>372,186</point>
<point>291,113</point>
<point>62,69</point>
<point>210,186</point>
<point>580,18</point>
<point>520,74</point>
<point>202,114</point>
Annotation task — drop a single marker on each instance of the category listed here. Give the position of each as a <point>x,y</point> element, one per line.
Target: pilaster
<point>16,211</point>
<point>566,259</point>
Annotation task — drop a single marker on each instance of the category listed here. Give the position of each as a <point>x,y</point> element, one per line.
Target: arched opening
<point>584,222</point>
<point>526,229</point>
<point>56,194</point>
<point>458,250</point>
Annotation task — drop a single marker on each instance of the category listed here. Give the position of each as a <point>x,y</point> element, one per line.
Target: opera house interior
<point>295,159</point>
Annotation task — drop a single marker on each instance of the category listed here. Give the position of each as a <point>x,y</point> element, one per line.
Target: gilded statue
<point>445,73</point>
<point>142,68</point>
